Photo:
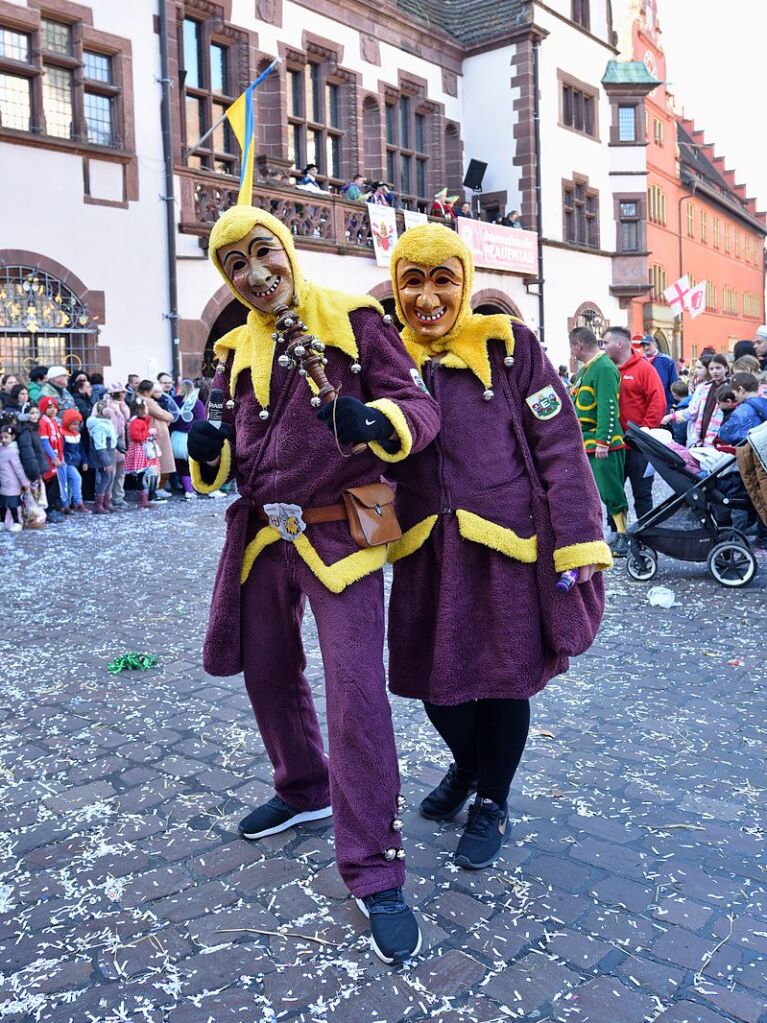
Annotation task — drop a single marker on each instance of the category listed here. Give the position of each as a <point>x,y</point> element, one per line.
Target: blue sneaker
<point>276,816</point>
<point>394,931</point>
<point>486,831</point>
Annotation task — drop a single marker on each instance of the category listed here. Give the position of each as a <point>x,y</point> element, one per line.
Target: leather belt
<point>327,513</point>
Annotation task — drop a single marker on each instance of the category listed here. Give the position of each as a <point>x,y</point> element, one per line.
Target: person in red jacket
<point>642,401</point>
<point>53,444</point>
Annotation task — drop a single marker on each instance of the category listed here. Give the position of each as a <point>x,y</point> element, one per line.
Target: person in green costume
<point>595,389</point>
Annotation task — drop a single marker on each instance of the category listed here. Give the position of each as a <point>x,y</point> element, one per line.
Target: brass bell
<point>263,415</point>
<point>299,351</point>
<point>400,854</point>
<point>390,854</point>
<point>287,322</point>
<point>388,320</point>
<point>397,824</point>
<point>401,801</point>
<point>275,336</point>
<point>230,404</point>
<point>315,402</point>
<point>324,362</point>
<point>284,361</point>
<point>509,360</point>
<point>302,371</point>
<point>355,367</point>
<point>489,394</point>
<point>318,346</point>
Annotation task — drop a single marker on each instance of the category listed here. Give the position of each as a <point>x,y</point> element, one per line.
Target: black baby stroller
<point>693,524</point>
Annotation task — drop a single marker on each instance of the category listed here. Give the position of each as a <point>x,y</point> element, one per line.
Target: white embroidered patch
<point>545,404</point>
<point>418,380</point>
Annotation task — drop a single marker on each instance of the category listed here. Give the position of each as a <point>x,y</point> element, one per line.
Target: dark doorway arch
<point>662,342</point>
<point>232,315</point>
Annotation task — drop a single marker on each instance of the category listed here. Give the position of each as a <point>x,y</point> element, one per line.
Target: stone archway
<point>195,335</point>
<point>662,342</point>
<point>491,301</point>
<point>588,314</point>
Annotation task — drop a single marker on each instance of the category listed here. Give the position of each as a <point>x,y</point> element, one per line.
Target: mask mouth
<point>269,291</point>
<point>431,317</point>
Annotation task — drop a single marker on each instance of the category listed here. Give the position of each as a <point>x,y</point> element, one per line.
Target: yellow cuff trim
<point>472,527</point>
<point>577,555</point>
<point>396,417</point>
<point>262,539</point>
<point>222,475</point>
<point>412,540</point>
<point>341,573</point>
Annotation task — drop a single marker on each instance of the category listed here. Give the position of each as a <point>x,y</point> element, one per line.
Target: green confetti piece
<point>132,662</point>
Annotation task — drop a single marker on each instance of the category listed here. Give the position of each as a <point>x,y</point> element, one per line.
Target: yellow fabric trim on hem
<point>341,573</point>
<point>577,555</point>
<point>222,474</point>
<point>499,538</point>
<point>396,417</point>
<point>262,539</point>
<point>412,540</point>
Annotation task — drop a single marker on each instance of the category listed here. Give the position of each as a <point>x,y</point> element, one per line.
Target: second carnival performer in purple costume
<point>288,540</point>
<point>494,511</point>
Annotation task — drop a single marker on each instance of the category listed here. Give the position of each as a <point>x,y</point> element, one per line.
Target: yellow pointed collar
<point>470,349</point>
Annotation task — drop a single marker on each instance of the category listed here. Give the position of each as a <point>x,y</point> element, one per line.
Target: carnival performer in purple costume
<point>288,539</point>
<point>493,511</point>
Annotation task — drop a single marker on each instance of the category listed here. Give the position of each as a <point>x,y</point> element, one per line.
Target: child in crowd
<point>13,479</point>
<point>53,444</point>
<point>681,392</point>
<point>103,455</point>
<point>71,428</point>
<point>750,410</point>
<point>191,409</point>
<point>143,456</point>
<point>119,413</point>
<point>725,399</point>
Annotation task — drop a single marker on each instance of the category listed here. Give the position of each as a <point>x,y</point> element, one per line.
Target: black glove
<point>358,423</point>
<point>205,442</point>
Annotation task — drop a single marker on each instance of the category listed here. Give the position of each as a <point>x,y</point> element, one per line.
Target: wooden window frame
<point>575,212</point>
<point>395,152</point>
<point>704,227</point>
<point>321,125</point>
<point>690,220</point>
<point>716,232</point>
<point>585,94</point>
<point>83,38</point>
<point>580,13</point>
<point>658,132</point>
<point>711,297</point>
<point>640,219</point>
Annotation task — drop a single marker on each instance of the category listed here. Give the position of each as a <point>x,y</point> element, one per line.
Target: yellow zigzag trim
<point>262,539</point>
<point>396,417</point>
<point>595,552</point>
<point>472,527</point>
<point>341,573</point>
<point>222,474</point>
<point>412,540</point>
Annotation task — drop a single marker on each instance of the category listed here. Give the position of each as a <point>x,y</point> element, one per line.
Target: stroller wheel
<point>732,563</point>
<point>729,533</point>
<point>642,563</point>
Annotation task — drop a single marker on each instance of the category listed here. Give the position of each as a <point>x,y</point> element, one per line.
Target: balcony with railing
<point>316,220</point>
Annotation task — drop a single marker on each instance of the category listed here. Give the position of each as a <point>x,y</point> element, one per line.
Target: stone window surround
<point>564,78</point>
<point>640,121</point>
<point>29,20</point>
<point>640,198</point>
<point>570,185</point>
<point>416,88</point>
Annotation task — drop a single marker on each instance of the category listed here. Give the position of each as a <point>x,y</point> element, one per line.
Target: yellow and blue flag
<point>241,119</point>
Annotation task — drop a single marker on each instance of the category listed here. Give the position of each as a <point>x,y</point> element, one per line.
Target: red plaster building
<point>700,220</point>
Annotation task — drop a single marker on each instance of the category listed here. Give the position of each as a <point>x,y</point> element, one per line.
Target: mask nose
<point>258,275</point>
<point>427,300</point>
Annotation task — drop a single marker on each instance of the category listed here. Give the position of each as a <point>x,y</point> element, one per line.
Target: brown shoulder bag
<point>372,519</point>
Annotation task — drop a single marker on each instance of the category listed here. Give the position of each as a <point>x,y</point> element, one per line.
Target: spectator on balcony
<point>514,220</point>
<point>380,194</point>
<point>443,205</point>
<point>308,181</point>
<point>464,210</point>
<point>354,189</point>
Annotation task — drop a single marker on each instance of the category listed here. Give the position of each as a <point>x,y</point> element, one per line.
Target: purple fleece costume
<point>255,625</point>
<point>464,619</point>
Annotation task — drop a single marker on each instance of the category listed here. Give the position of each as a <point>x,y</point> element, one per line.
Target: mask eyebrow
<point>259,240</point>
<point>234,252</point>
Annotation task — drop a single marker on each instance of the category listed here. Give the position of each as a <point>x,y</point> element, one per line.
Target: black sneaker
<point>276,816</point>
<point>394,931</point>
<point>620,548</point>
<point>483,835</point>
<point>446,801</point>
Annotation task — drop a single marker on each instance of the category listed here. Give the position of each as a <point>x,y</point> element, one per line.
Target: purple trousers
<point>360,778</point>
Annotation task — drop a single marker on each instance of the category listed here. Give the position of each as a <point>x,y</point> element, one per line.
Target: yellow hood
<point>466,342</point>
<point>324,311</point>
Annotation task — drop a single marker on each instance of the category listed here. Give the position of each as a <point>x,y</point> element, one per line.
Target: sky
<point>715,57</point>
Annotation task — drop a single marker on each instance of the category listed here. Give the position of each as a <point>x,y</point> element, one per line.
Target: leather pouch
<point>372,519</point>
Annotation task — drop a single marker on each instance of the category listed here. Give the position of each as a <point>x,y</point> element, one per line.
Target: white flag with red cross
<point>677,295</point>
<point>696,300</point>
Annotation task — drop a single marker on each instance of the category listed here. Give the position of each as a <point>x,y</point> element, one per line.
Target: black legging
<point>487,739</point>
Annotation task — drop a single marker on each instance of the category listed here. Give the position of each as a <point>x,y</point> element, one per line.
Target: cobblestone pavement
<point>632,887</point>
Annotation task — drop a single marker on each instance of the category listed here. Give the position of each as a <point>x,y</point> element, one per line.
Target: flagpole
<point>222,118</point>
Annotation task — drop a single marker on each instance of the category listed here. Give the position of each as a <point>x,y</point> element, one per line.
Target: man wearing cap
<point>760,344</point>
<point>55,386</point>
<point>663,365</point>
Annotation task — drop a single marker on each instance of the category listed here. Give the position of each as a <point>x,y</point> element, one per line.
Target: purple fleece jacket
<point>293,458</point>
<point>465,620</point>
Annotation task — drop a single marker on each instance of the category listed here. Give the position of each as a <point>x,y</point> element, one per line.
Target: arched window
<point>588,314</point>
<point>42,321</point>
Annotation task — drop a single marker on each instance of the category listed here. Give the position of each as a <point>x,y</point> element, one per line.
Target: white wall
<point>487,121</point>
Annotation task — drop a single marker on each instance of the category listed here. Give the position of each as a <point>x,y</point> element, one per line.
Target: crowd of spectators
<point>71,444</point>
